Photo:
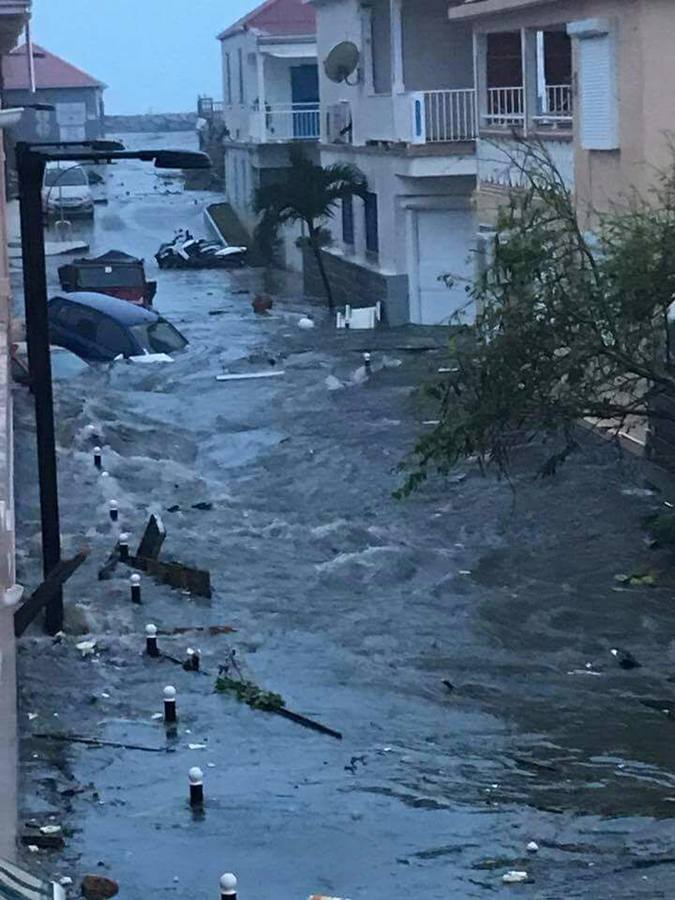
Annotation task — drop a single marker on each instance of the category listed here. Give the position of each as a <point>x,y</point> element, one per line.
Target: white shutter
<point>598,93</point>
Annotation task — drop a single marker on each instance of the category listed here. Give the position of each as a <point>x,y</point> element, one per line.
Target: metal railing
<point>558,100</point>
<point>292,122</point>
<point>207,107</point>
<point>505,106</point>
<point>450,115</point>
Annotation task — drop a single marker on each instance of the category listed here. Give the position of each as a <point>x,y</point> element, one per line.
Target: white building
<point>270,99</point>
<point>406,118</point>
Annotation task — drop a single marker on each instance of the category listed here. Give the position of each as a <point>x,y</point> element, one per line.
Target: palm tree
<point>308,193</point>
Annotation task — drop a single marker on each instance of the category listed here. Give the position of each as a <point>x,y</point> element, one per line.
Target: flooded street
<point>352,605</point>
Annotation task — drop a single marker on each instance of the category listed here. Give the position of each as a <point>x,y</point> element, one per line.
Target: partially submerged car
<point>66,191</point>
<point>115,273</point>
<point>101,328</point>
<point>65,365</point>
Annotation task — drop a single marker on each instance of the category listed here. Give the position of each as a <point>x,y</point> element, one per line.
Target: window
<point>159,337</point>
<point>348,221</point>
<point>598,88</point>
<point>380,44</point>
<point>372,237</point>
<point>68,176</point>
<point>228,79</point>
<point>240,57</point>
<point>113,338</point>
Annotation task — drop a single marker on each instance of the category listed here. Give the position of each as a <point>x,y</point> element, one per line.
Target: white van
<point>66,191</point>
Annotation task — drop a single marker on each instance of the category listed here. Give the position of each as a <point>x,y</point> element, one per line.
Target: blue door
<point>305,100</point>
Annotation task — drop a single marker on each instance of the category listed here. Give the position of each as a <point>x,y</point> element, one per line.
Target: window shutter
<point>598,93</point>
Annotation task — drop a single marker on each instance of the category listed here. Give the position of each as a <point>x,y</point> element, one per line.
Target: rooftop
<point>276,18</point>
<point>50,71</point>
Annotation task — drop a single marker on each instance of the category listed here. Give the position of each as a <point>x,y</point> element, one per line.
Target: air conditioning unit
<point>339,123</point>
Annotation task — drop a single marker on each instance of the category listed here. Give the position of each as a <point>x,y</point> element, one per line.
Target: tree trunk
<point>316,249</point>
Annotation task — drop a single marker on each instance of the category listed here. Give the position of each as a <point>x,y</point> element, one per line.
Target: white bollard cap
<point>113,504</point>
<point>151,630</point>
<point>135,578</point>
<point>96,449</point>
<point>195,775</point>
<point>124,537</point>
<point>105,475</point>
<point>169,692</point>
<point>228,883</point>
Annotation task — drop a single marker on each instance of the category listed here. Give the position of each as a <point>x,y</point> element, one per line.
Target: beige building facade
<point>591,79</point>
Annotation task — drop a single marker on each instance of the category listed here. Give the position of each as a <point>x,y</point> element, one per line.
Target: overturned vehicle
<point>114,273</point>
<point>187,252</point>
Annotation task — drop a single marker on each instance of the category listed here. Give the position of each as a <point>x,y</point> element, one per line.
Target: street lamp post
<point>31,161</point>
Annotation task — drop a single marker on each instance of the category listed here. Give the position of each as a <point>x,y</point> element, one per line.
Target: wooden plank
<point>152,540</point>
<point>176,575</point>
<point>45,592</point>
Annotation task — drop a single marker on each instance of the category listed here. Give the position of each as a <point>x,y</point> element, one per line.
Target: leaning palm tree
<point>307,193</point>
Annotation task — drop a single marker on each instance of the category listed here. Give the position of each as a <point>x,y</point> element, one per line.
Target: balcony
<point>291,122</point>
<point>505,108</point>
<point>444,116</point>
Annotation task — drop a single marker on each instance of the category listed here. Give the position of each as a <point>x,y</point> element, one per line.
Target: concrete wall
<point>357,285</point>
<point>238,114</point>
<point>437,53</point>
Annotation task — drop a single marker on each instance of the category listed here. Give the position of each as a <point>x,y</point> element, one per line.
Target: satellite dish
<point>341,62</point>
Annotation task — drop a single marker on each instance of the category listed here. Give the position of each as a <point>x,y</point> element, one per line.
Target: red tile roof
<point>50,71</point>
<point>277,18</point>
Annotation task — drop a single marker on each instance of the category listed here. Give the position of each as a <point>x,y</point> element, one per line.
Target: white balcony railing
<point>450,115</point>
<point>505,106</point>
<point>558,100</point>
<point>443,116</point>
<point>292,122</point>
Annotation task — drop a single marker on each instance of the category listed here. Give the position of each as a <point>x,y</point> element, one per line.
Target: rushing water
<point>352,605</point>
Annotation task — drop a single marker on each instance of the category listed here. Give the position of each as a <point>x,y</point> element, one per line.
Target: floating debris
<point>515,876</point>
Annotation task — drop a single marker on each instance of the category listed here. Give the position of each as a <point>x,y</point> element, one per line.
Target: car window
<point>159,337</point>
<point>113,337</point>
<point>66,177</point>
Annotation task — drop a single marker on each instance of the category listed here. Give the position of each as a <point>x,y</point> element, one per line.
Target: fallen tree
<point>571,325</point>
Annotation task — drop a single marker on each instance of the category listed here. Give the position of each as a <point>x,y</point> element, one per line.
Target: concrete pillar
<point>367,43</point>
<point>528,45</point>
<point>262,112</point>
<point>396,25</point>
<point>480,77</point>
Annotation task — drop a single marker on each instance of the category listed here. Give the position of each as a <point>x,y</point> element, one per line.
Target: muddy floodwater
<point>352,605</point>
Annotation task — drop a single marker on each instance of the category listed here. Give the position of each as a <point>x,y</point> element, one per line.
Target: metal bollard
<point>124,546</point>
<point>170,705</point>
<point>193,660</point>
<point>228,887</point>
<point>151,647</point>
<point>98,459</point>
<point>114,510</point>
<point>366,363</point>
<point>196,777</point>
<point>135,582</point>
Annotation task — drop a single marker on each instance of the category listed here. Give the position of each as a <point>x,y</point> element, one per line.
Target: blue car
<point>100,328</point>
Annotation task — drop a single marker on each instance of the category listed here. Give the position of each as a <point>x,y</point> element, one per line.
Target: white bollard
<point>98,459</point>
<point>151,647</point>
<point>114,510</point>
<point>196,777</point>
<point>228,887</point>
<point>124,546</point>
<point>170,704</point>
<point>135,583</point>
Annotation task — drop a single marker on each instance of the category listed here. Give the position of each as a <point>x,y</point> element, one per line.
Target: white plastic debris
<point>157,716</point>
<point>86,648</point>
<point>33,848</point>
<point>12,595</point>
<point>65,881</point>
<point>515,876</point>
<point>532,847</point>
<point>250,376</point>
<point>32,716</point>
<point>196,746</point>
<point>151,358</point>
<point>50,829</point>
<point>305,323</point>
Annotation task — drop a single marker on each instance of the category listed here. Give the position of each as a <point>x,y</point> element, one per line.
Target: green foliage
<point>661,527</point>
<point>570,326</point>
<point>307,193</point>
<point>249,693</point>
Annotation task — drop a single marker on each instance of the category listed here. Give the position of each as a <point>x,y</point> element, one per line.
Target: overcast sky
<point>152,54</point>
